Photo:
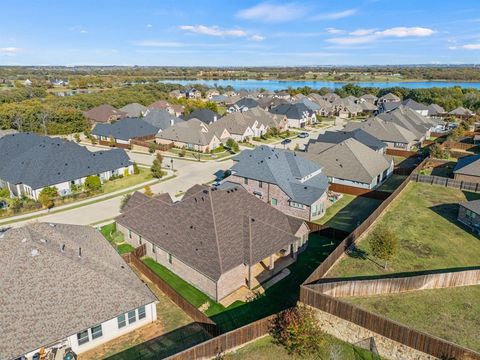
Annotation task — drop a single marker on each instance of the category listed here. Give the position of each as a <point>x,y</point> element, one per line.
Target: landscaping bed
<point>452,314</point>
<point>116,239</point>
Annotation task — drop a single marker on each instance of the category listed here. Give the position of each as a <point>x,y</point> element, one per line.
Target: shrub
<point>297,330</point>
<point>156,167</point>
<point>93,183</point>
<point>76,136</point>
<point>152,147</point>
<point>233,145</point>
<point>182,153</point>
<point>4,193</point>
<point>436,151</point>
<point>136,170</point>
<point>47,195</point>
<point>147,190</point>
<point>124,201</point>
<point>383,244</point>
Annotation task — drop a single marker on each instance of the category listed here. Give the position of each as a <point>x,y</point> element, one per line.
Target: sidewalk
<point>84,202</point>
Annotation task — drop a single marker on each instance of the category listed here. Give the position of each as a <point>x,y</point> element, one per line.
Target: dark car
<point>303,135</point>
<point>286,141</point>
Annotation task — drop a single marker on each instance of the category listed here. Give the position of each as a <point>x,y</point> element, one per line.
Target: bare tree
<point>44,118</point>
<point>18,121</point>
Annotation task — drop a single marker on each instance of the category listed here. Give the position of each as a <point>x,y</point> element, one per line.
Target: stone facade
<point>275,196</point>
<point>352,333</point>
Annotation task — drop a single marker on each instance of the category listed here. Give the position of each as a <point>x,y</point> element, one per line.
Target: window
<point>153,248</point>
<point>96,331</point>
<point>82,337</point>
<point>132,317</point>
<point>296,205</point>
<point>170,258</point>
<point>129,233</point>
<point>121,321</point>
<point>245,181</point>
<point>140,239</point>
<point>260,184</point>
<point>141,312</point>
<point>273,201</point>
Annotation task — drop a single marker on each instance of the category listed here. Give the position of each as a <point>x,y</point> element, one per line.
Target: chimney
<point>79,252</point>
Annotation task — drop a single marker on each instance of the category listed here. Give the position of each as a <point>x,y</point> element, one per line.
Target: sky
<point>239,33</point>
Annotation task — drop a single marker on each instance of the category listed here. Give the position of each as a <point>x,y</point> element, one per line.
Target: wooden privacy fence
<point>457,145</point>
<point>146,144</point>
<point>446,182</point>
<point>402,153</point>
<point>118,145</point>
<point>374,194</point>
<point>395,285</point>
<point>225,342</point>
<point>208,324</point>
<point>388,328</point>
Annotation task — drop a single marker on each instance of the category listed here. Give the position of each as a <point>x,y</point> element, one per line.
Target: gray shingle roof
<point>410,120</point>
<point>211,230</point>
<point>301,179</point>
<point>40,161</point>
<point>292,111</point>
<point>246,102</point>
<point>125,129</point>
<point>473,205</point>
<point>461,111</point>
<point>383,130</point>
<point>104,113</point>
<point>336,137</point>
<point>468,165</point>
<point>48,294</point>
<point>206,116</point>
<point>134,109</point>
<point>190,132</point>
<point>161,118</point>
<point>351,160</point>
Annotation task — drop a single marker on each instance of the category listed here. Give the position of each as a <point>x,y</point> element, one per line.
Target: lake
<point>273,85</point>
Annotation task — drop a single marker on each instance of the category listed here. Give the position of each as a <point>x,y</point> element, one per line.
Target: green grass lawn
<point>266,349</point>
<point>116,239</point>
<point>127,181</point>
<point>348,212</point>
<point>452,314</point>
<point>430,237</point>
<point>392,183</point>
<point>194,155</point>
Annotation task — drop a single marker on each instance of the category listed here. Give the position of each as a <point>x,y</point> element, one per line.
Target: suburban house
<point>30,162</point>
<point>468,169</point>
<point>243,104</point>
<point>388,98</point>
<point>124,130</point>
<point>435,110</point>
<point>67,288</point>
<point>298,114</point>
<point>409,103</point>
<point>192,93</point>
<point>372,99</point>
<point>161,119</point>
<point>469,214</point>
<point>174,109</point>
<point>351,163</point>
<point>336,137</point>
<point>104,114</point>
<point>294,185</point>
<point>176,94</point>
<point>462,112</point>
<point>210,93</point>
<point>206,116</point>
<point>395,136</point>
<point>331,97</point>
<point>191,135</point>
<point>217,240</point>
<point>134,110</point>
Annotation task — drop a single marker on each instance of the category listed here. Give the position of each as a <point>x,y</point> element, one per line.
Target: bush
<point>437,152</point>
<point>136,170</point>
<point>156,168</point>
<point>93,183</point>
<point>182,153</point>
<point>383,244</point>
<point>4,193</point>
<point>147,190</point>
<point>47,195</point>
<point>297,330</point>
<point>124,201</point>
<point>76,136</point>
<point>233,145</point>
<point>152,147</point>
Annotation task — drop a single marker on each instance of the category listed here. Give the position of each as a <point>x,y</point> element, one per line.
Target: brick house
<point>468,169</point>
<point>292,184</point>
<point>217,240</point>
<point>469,214</point>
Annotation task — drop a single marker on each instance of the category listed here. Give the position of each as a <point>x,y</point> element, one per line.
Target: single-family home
<point>176,94</point>
<point>469,214</point>
<point>331,97</point>
<point>192,93</point>
<point>191,135</point>
<point>435,110</point>
<point>217,240</point>
<point>104,114</point>
<point>298,114</point>
<point>461,112</point>
<point>31,162</point>
<point>336,137</point>
<point>122,131</point>
<point>65,289</point>
<point>294,185</point>
<point>134,110</point>
<point>210,93</point>
<point>351,163</point>
<point>372,99</point>
<point>282,95</point>
<point>161,119</point>
<point>409,103</point>
<point>468,169</point>
<point>243,104</point>
<point>389,97</point>
<point>206,116</point>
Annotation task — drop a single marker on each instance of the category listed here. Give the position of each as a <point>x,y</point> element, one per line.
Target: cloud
<point>149,25</point>
<point>10,51</point>
<point>257,37</point>
<point>78,29</point>
<point>471,47</point>
<point>364,36</point>
<point>273,13</point>
<point>157,43</point>
<point>213,30</point>
<point>332,30</point>
<point>335,15</point>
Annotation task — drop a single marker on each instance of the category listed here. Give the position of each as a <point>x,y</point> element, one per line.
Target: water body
<point>273,85</point>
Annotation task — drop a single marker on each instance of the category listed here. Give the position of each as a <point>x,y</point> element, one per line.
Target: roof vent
<point>43,241</point>
<point>24,240</point>
<point>62,248</point>
<point>34,252</point>
<point>79,252</point>
<point>52,225</point>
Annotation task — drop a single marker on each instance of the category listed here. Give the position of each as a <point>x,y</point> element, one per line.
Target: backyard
<point>424,221</point>
<point>456,319</point>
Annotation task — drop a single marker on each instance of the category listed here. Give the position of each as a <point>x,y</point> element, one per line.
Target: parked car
<point>286,141</point>
<point>3,205</point>
<point>303,135</point>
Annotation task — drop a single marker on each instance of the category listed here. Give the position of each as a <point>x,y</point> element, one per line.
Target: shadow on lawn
<point>450,213</point>
<point>165,345</point>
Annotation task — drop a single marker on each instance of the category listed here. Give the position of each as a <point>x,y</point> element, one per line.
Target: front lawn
<point>266,349</point>
<point>452,314</point>
<point>424,220</point>
<point>127,181</point>
<point>348,212</point>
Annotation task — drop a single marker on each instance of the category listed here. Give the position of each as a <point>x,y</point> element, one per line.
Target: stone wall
<point>352,333</point>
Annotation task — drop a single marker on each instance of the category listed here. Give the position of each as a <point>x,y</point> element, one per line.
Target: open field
<point>348,212</point>
<point>265,349</point>
<point>430,237</point>
<point>452,314</point>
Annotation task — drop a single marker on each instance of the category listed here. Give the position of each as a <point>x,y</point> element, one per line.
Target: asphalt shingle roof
<point>292,111</point>
<point>104,113</point>
<point>125,129</point>
<point>161,118</point>
<point>336,137</point>
<point>134,109</point>
<point>49,294</point>
<point>301,179</point>
<point>40,161</point>
<point>468,165</point>
<point>206,116</point>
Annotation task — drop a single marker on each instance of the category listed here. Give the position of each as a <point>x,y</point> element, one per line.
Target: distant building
<point>104,114</point>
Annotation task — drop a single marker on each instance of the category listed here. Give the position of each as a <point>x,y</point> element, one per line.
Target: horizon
<point>150,33</point>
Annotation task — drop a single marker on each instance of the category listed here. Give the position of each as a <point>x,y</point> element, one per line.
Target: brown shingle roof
<point>212,230</point>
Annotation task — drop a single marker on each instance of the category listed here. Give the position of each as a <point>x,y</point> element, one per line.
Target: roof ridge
<point>215,231</point>
<point>355,154</point>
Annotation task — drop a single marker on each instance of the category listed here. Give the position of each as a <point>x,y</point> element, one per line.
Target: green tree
<point>156,168</point>
<point>47,196</point>
<point>152,147</point>
<point>124,201</point>
<point>136,169</point>
<point>147,190</point>
<point>298,331</point>
<point>383,244</point>
<point>76,136</point>
<point>438,152</point>
<point>233,145</point>
<point>92,183</point>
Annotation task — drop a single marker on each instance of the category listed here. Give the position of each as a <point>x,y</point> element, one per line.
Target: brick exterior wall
<point>231,281</point>
<point>467,178</point>
<point>269,191</point>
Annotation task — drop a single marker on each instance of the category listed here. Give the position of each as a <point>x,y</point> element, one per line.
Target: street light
<point>171,163</point>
